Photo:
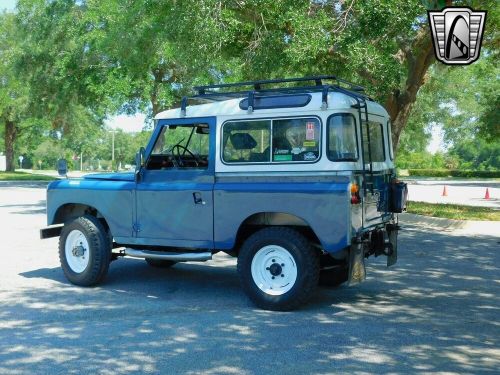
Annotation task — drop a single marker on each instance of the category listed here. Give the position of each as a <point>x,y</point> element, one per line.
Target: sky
<point>7,4</point>
<point>126,123</point>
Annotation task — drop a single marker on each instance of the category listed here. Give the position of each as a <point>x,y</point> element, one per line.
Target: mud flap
<point>392,256</point>
<point>357,270</point>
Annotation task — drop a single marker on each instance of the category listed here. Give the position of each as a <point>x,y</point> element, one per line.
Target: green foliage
<point>454,211</point>
<point>420,159</point>
<point>21,176</point>
<point>453,173</point>
<point>477,154</point>
<point>67,64</point>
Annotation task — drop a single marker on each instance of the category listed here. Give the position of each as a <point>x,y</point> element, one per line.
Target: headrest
<point>243,141</point>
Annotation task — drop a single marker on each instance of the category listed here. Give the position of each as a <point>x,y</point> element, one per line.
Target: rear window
<point>376,144</point>
<point>271,141</point>
<point>342,139</point>
<point>389,140</point>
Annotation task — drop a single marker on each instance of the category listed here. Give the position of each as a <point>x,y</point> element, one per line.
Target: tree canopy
<point>72,63</point>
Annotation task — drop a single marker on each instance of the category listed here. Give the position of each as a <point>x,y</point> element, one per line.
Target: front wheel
<point>278,268</point>
<point>84,251</point>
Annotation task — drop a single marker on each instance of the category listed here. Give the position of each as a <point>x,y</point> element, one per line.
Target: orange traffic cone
<point>487,195</point>
<point>445,193</point>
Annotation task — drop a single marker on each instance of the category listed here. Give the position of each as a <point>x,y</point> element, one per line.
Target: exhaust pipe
<point>177,257</point>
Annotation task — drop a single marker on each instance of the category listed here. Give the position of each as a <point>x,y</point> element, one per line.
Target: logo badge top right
<point>457,34</point>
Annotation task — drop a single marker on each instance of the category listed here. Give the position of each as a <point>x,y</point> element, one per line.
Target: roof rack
<point>261,88</point>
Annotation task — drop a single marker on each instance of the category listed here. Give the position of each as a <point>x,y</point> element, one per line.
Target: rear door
<point>378,169</point>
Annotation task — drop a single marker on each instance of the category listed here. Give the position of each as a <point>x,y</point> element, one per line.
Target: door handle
<point>198,199</point>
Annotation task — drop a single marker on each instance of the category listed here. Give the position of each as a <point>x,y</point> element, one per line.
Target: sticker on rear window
<point>282,157</point>
<point>309,144</point>
<point>309,156</point>
<point>309,131</point>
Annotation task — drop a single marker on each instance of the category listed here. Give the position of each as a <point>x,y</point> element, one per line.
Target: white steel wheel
<point>76,249</point>
<point>84,250</point>
<point>278,268</point>
<point>274,270</point>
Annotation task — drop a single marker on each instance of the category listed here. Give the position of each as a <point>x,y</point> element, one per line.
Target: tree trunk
<point>418,56</point>
<point>10,137</point>
<point>400,103</point>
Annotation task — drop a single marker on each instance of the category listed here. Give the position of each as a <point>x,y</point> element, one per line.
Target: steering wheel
<point>177,154</point>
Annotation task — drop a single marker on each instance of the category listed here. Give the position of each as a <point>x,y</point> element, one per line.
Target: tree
<point>13,91</point>
<point>382,44</point>
<point>154,50</point>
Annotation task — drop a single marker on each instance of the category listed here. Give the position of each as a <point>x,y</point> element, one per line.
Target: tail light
<point>355,198</point>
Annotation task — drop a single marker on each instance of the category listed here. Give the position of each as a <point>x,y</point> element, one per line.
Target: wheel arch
<point>69,211</point>
<point>259,220</point>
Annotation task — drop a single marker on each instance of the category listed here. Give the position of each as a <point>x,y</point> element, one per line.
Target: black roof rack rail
<point>256,89</point>
<point>258,85</point>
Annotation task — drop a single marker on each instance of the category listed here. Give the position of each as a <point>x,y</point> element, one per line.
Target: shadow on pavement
<point>26,209</point>
<point>436,311</point>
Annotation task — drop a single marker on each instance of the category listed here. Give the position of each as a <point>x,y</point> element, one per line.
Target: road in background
<point>467,192</point>
<point>436,311</point>
<point>458,191</point>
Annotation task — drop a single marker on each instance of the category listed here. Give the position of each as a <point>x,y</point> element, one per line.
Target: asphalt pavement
<point>435,312</point>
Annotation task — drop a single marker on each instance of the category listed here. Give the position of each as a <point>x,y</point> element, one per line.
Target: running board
<point>177,257</point>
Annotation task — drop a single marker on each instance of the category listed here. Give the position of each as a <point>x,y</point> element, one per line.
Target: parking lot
<point>436,311</point>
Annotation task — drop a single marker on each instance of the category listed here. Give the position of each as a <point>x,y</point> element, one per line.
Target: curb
<point>24,183</point>
<point>489,228</point>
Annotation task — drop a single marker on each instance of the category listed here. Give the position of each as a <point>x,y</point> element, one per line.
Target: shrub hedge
<point>453,173</point>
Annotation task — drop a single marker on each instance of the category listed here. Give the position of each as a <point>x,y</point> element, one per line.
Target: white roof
<point>336,101</point>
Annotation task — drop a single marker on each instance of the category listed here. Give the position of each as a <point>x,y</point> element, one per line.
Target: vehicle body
<point>297,182</point>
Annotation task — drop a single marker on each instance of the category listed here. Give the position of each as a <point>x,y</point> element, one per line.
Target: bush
<point>453,173</point>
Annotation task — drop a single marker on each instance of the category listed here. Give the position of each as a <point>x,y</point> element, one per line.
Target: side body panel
<point>113,199</point>
<point>320,201</point>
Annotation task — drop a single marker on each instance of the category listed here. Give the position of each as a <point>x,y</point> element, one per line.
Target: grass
<point>453,211</point>
<point>23,176</point>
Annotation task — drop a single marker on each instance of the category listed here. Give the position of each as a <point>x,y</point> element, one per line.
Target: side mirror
<point>62,167</point>
<point>139,163</point>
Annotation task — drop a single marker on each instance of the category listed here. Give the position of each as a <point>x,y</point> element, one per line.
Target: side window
<point>342,138</point>
<point>181,146</point>
<point>296,140</point>
<point>246,141</point>
<point>276,141</point>
<point>389,140</point>
<point>376,142</point>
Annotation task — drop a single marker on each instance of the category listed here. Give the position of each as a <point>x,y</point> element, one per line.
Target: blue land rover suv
<point>294,177</point>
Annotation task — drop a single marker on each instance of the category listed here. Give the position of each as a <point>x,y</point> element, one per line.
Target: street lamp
<point>113,145</point>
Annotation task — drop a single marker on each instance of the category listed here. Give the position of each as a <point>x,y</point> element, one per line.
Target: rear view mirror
<point>62,167</point>
<point>202,130</point>
<point>139,162</point>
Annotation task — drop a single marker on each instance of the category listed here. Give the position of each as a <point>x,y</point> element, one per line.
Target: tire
<point>88,264</point>
<point>334,276</point>
<point>262,280</point>
<point>160,263</point>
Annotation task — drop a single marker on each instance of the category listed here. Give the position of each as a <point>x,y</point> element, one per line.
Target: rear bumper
<point>52,231</point>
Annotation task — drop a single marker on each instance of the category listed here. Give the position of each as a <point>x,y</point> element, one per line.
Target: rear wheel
<point>160,263</point>
<point>278,268</point>
<point>84,251</point>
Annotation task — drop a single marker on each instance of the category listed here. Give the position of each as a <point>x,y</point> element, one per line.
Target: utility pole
<point>113,145</point>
